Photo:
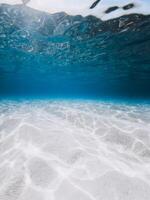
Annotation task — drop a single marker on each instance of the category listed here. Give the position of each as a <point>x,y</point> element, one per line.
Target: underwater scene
<point>74,100</point>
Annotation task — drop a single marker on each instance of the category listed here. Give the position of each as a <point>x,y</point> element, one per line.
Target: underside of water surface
<point>59,55</point>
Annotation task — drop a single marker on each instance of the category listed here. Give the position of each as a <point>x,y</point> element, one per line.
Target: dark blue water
<point>62,56</point>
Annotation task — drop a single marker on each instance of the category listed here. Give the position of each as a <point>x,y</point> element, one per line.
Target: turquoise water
<point>72,57</point>
<point>74,106</point>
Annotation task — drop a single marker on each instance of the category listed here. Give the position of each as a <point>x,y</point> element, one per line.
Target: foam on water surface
<point>88,7</point>
<point>68,150</point>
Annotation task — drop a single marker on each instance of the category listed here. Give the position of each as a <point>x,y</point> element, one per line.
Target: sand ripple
<point>69,150</point>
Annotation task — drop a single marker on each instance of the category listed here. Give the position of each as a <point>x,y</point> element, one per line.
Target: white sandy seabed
<point>65,150</point>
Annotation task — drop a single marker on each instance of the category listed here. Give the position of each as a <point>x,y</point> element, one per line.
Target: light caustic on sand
<point>61,150</point>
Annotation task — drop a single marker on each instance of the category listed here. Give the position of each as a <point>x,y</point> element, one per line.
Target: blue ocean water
<point>74,105</point>
<point>61,56</point>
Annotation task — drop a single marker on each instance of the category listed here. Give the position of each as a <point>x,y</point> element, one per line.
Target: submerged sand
<point>74,150</point>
